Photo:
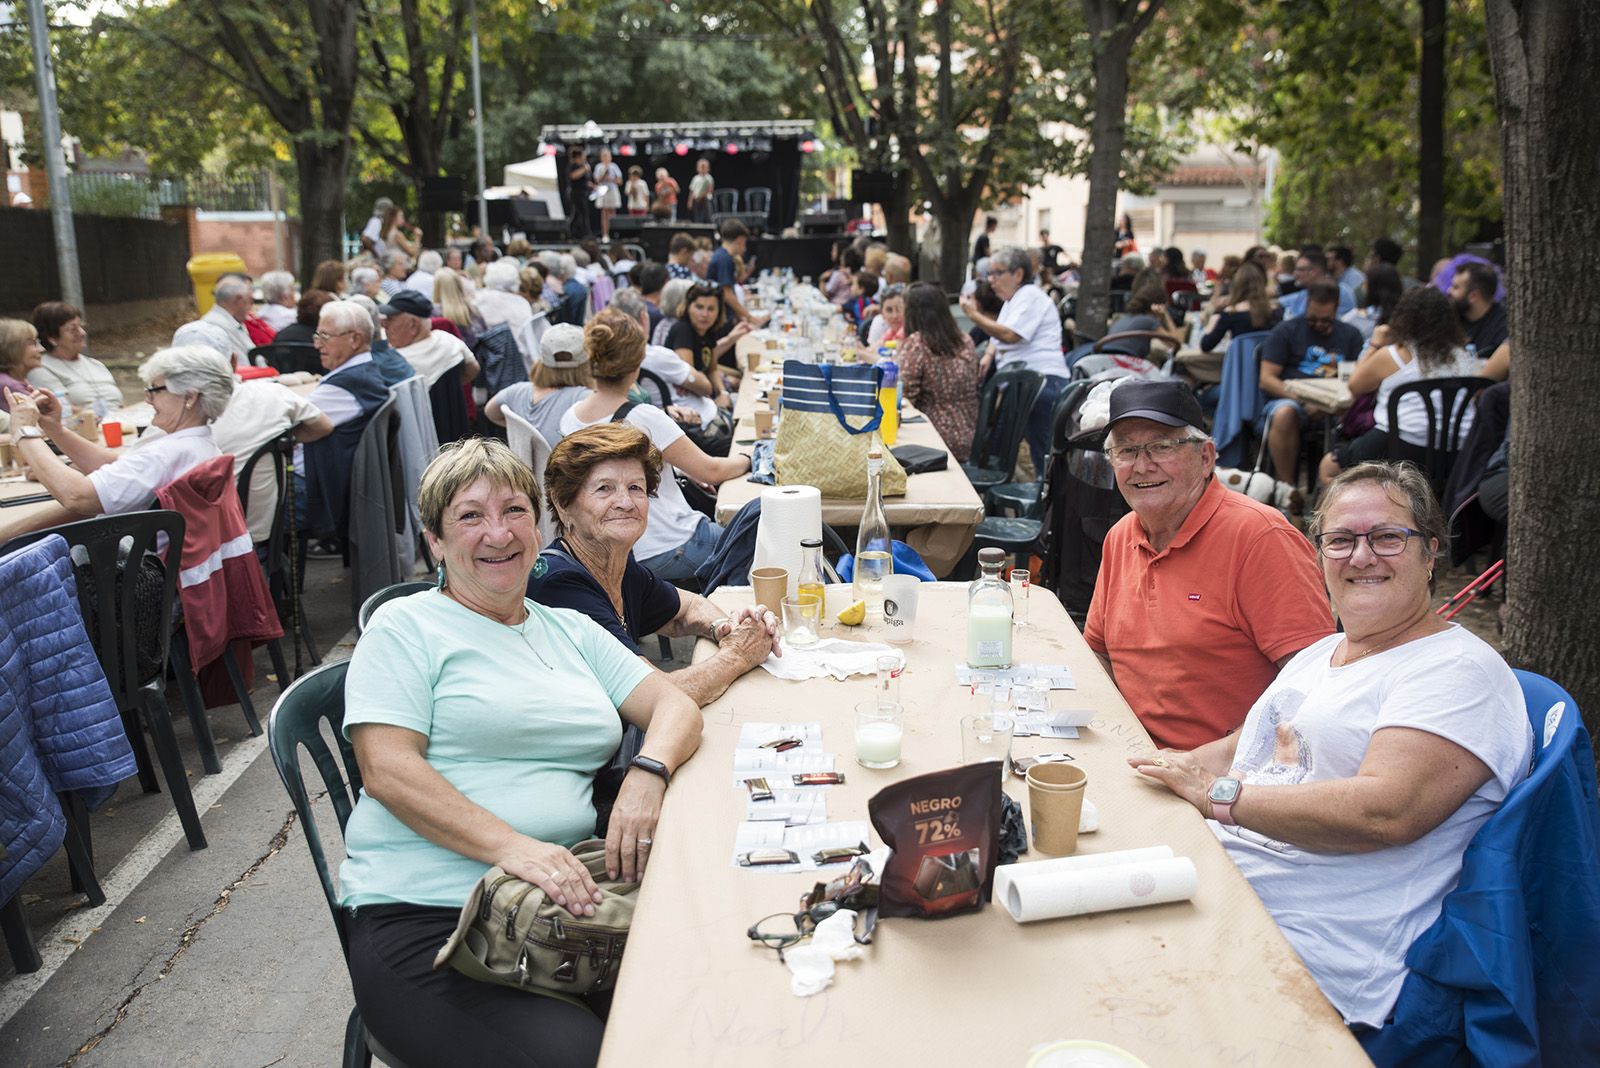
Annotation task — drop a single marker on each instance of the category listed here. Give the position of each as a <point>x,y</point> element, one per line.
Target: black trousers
<point>441,1018</point>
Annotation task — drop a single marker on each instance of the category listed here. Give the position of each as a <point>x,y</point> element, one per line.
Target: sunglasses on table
<point>784,930</point>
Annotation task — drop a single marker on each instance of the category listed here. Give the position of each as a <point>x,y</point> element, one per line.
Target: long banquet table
<point>1203,982</point>
<point>938,514</point>
<point>12,486</point>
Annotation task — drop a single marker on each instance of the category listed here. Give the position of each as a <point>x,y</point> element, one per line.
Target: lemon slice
<point>855,615</point>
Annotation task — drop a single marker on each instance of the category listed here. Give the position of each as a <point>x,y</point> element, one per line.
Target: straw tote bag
<point>829,414</point>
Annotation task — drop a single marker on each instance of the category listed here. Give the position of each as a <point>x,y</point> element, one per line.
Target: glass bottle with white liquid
<point>874,561</point>
<point>989,612</point>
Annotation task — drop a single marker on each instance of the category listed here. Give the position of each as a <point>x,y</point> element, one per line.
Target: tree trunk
<point>1107,132</point>
<point>1430,138</point>
<point>321,170</point>
<point>897,215</point>
<point>954,230</point>
<point>1549,106</point>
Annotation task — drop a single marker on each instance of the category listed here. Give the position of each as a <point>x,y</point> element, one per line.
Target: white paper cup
<point>900,594</point>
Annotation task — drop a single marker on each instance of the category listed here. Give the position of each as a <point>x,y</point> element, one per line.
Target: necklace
<point>1348,659</point>
<point>522,629</point>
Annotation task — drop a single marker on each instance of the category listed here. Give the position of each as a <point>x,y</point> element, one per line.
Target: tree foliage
<point>1338,98</point>
<point>613,61</point>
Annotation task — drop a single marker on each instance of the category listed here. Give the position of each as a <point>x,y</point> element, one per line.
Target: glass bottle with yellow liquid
<point>812,584</point>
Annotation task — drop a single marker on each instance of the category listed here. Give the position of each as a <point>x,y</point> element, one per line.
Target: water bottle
<point>874,550</point>
<point>889,398</point>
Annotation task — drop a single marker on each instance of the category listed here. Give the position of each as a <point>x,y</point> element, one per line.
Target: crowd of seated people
<point>1292,733</point>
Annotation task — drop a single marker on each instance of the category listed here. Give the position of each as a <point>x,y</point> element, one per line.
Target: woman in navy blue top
<point>1249,308</point>
<point>599,481</point>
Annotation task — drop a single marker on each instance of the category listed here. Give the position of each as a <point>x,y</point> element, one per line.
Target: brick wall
<point>250,239</point>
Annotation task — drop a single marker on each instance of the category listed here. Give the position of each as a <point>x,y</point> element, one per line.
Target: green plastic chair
<point>314,700</point>
<point>1026,499</point>
<point>388,593</point>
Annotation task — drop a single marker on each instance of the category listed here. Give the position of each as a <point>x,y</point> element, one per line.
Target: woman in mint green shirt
<point>479,720</point>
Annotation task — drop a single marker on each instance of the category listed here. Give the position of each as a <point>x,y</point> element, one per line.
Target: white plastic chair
<point>532,449</point>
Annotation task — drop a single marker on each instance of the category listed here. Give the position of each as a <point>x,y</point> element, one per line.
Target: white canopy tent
<point>537,179</point>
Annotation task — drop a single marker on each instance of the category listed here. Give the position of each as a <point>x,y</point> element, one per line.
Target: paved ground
<point>224,957</point>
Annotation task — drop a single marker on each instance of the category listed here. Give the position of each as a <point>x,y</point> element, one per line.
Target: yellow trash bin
<point>205,269</point>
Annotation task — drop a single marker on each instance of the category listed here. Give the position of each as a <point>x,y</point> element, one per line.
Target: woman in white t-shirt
<point>66,368</point>
<point>678,538</point>
<point>1431,345</point>
<point>1027,333</point>
<point>1359,777</point>
<point>187,386</point>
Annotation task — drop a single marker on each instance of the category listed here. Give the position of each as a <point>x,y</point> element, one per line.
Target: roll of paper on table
<point>1050,894</point>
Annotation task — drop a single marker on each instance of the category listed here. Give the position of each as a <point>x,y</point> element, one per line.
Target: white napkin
<point>833,656</point>
<point>811,963</point>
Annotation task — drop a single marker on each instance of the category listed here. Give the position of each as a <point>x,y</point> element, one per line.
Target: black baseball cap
<point>1168,403</point>
<point>407,302</point>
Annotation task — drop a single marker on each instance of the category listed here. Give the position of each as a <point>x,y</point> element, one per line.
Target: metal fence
<point>143,196</point>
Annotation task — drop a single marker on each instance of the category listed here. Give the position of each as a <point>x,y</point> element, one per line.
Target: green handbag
<point>510,933</point>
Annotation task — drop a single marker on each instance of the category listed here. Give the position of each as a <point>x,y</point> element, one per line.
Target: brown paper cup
<point>753,359</point>
<point>771,585</point>
<point>89,426</point>
<point>763,422</point>
<point>1055,801</point>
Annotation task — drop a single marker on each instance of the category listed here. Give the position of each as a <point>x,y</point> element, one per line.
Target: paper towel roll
<point>1050,895</point>
<point>788,515</point>
<point>1081,862</point>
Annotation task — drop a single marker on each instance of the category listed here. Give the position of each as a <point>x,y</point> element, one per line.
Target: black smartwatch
<point>654,767</point>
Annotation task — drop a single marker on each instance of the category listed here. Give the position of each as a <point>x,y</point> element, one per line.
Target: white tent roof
<point>538,177</point>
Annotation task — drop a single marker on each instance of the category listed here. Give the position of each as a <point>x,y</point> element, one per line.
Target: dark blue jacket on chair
<point>59,726</point>
<point>1509,975</point>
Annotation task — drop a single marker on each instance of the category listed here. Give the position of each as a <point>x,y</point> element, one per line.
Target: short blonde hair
<point>461,463</point>
<point>15,334</point>
<point>546,377</point>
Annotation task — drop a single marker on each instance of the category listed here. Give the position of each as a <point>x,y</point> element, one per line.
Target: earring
<point>441,576</point>
<point>539,568</point>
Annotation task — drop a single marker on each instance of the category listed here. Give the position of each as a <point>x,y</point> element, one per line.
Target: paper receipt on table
<point>1053,676</point>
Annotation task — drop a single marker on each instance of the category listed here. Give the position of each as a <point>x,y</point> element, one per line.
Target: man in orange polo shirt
<point>1203,593</point>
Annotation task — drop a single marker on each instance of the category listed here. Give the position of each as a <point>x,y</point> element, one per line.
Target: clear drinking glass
<point>1021,582</point>
<point>986,737</point>
<point>889,669</point>
<point>801,620</point>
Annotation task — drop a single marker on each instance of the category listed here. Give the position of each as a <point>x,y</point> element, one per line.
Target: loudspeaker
<point>823,222</point>
<point>446,193</point>
<point>627,225</point>
<point>872,187</point>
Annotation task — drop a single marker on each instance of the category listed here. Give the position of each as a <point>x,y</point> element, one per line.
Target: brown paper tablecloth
<point>939,512</point>
<point>1205,982</point>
